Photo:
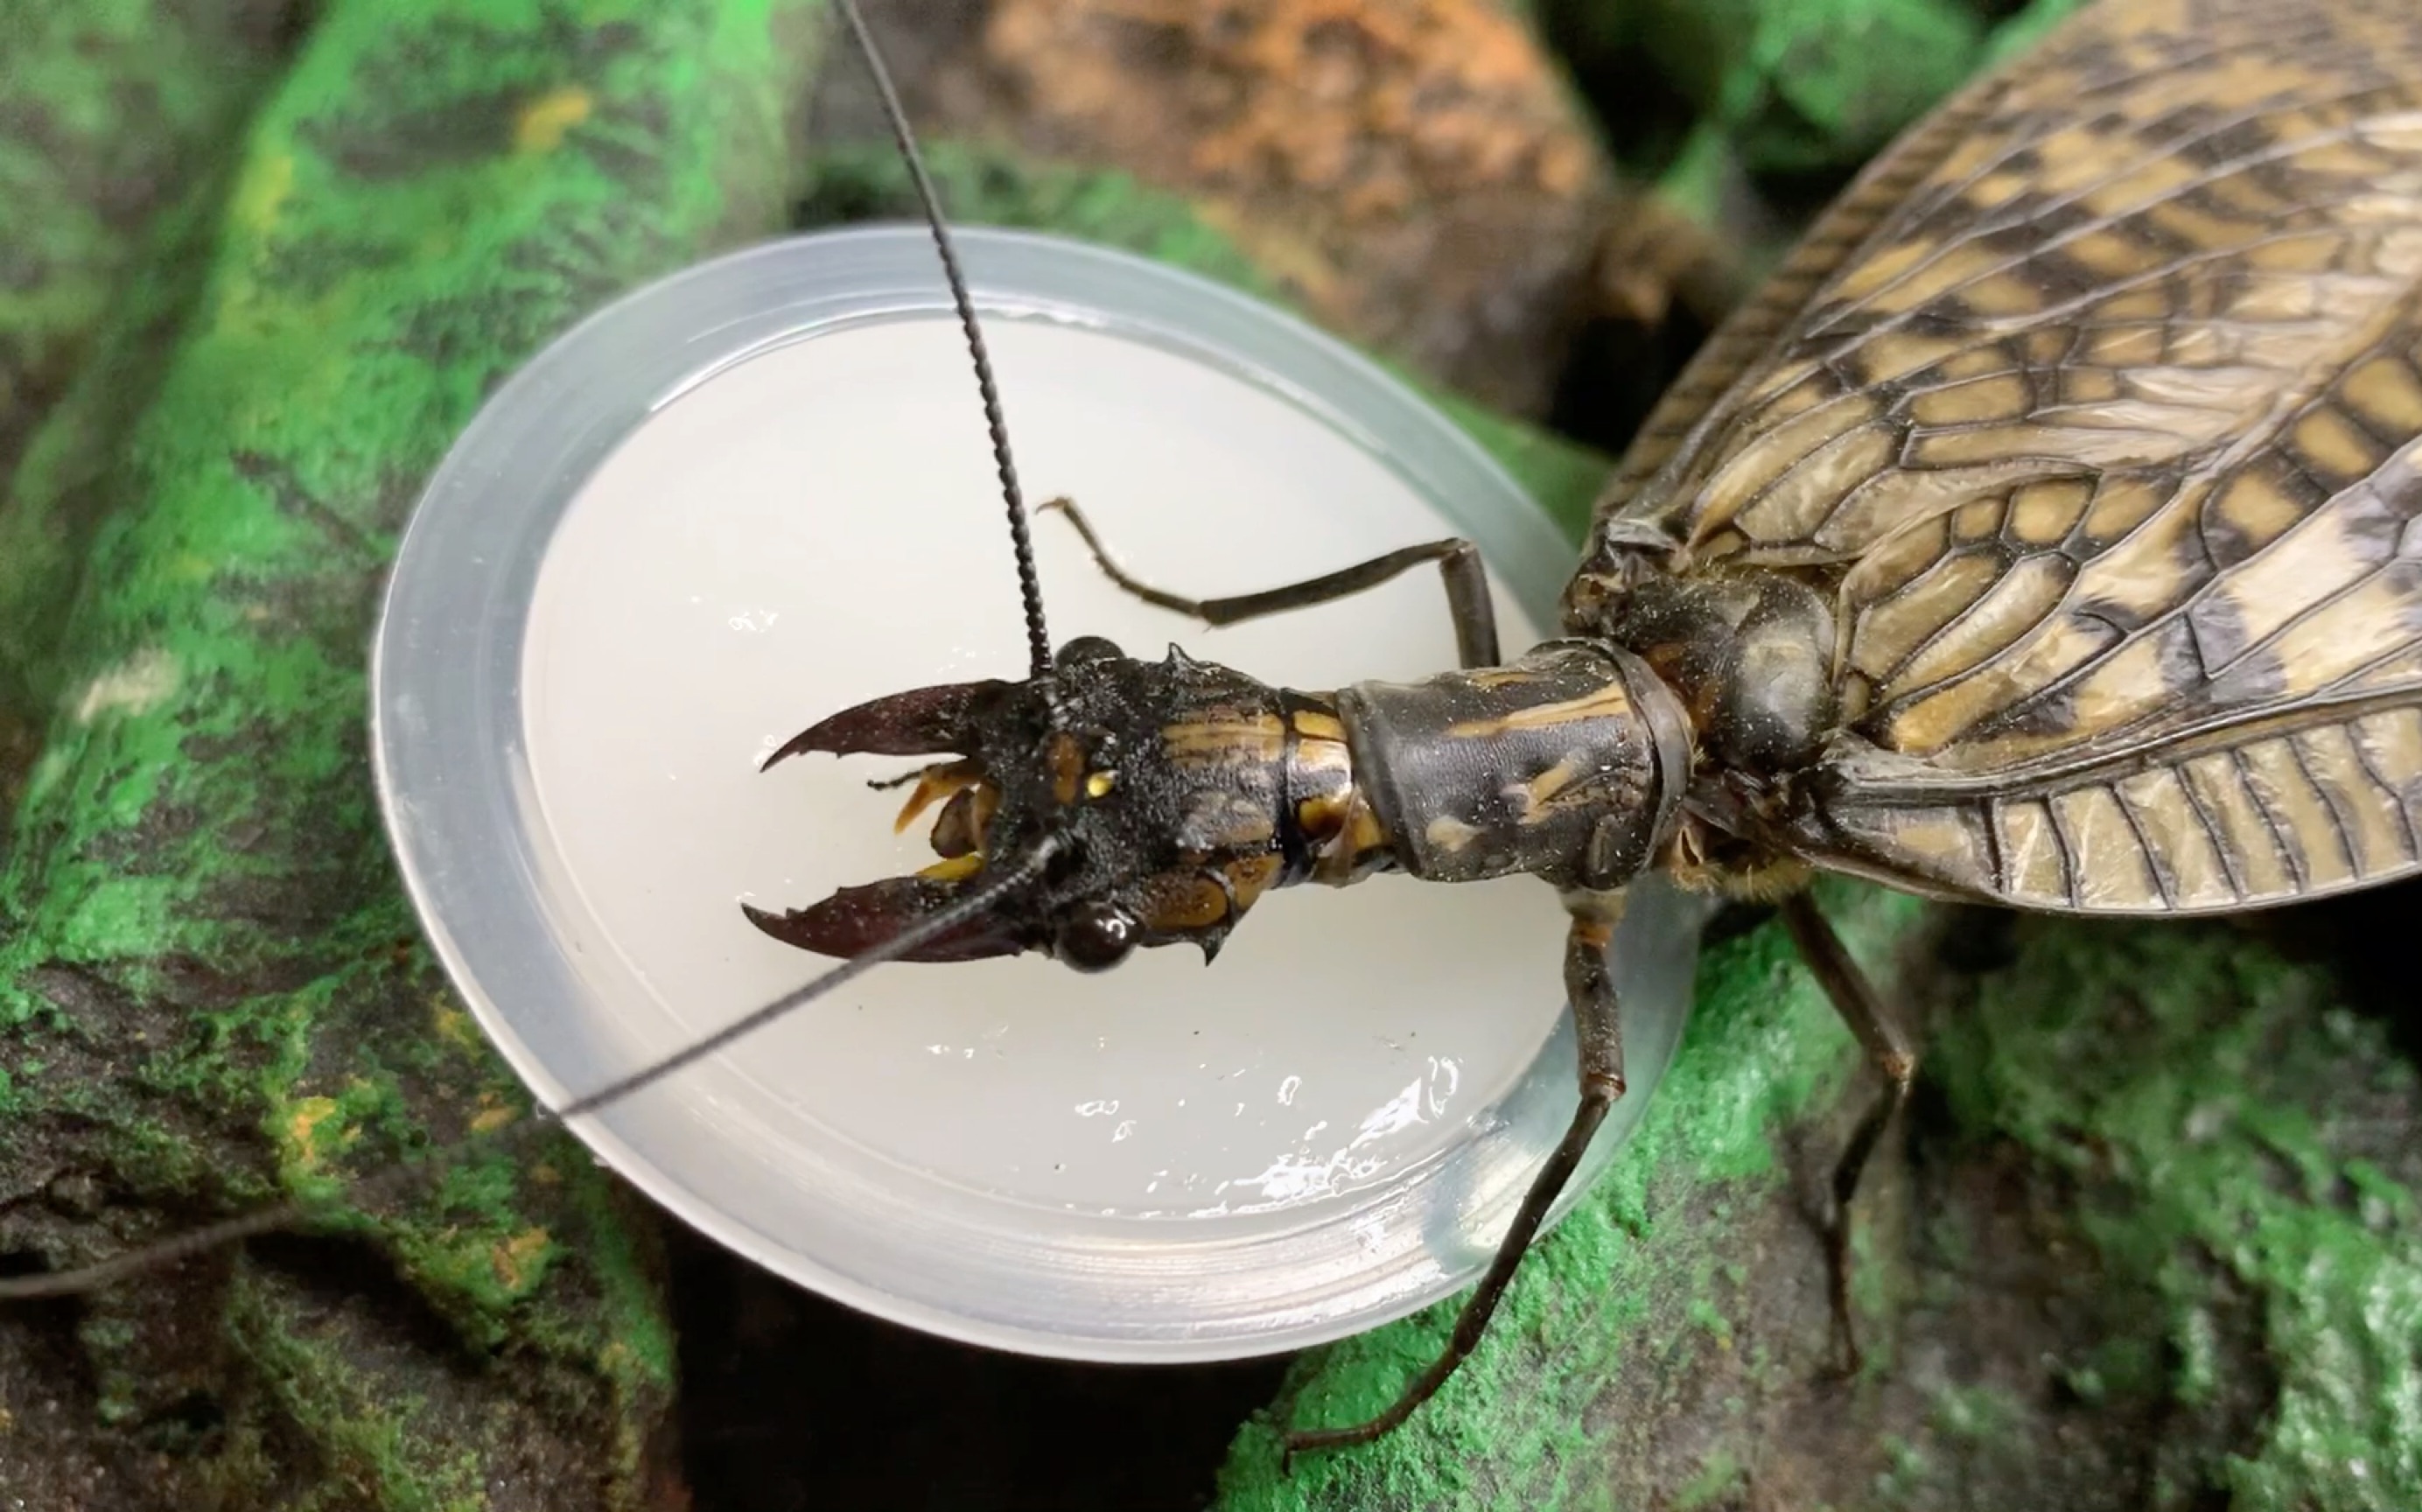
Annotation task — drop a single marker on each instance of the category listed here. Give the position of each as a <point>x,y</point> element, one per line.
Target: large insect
<point>2044,533</point>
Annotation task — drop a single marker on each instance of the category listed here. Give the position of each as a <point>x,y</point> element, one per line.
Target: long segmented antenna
<point>1029,583</point>
<point>1023,869</point>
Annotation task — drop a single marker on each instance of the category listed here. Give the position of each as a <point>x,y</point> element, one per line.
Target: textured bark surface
<point>211,988</point>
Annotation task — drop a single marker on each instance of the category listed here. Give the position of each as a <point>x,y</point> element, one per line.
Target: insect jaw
<point>1174,793</point>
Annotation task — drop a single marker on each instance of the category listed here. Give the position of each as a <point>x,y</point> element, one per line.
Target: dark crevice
<point>790,1402</point>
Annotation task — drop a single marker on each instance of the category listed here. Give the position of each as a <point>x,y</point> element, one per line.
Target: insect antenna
<point>1015,875</point>
<point>1029,583</point>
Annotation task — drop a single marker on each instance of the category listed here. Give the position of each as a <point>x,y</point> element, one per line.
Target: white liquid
<point>820,526</point>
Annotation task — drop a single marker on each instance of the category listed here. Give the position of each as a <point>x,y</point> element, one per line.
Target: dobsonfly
<point>2046,533</point>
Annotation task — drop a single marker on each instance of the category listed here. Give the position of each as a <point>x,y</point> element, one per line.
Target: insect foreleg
<point>1467,588</point>
<point>1888,1046</point>
<point>1589,988</point>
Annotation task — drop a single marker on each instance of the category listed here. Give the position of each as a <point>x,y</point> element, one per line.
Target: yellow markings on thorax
<point>1218,740</point>
<point>1315,724</point>
<point>1448,834</point>
<point>1607,702</point>
<point>515,1260</point>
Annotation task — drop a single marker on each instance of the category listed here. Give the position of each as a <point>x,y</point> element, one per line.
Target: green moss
<point>1622,1285</point>
<point>205,938</point>
<point>115,120</point>
<point>2245,1148</point>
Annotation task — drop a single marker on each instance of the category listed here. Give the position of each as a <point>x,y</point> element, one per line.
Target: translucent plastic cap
<point>759,491</point>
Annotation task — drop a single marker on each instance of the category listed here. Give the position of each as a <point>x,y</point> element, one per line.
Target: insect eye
<point>1096,937</point>
<point>1098,785</point>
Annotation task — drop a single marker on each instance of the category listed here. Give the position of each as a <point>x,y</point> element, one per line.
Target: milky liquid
<point>820,525</point>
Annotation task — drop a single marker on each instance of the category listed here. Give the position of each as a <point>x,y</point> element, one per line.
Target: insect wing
<point>2108,438</point>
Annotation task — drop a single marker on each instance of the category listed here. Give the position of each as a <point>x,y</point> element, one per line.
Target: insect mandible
<point>2044,533</point>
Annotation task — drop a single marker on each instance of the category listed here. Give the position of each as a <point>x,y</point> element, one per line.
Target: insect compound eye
<point>1096,937</point>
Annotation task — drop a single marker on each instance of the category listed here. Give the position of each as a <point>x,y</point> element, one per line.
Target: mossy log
<point>211,992</point>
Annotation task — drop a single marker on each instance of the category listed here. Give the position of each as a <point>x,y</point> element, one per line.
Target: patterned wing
<point>2153,693</point>
<point>2097,407</point>
<point>2157,230</point>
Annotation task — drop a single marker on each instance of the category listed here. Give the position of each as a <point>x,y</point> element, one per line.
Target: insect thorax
<point>1568,763</point>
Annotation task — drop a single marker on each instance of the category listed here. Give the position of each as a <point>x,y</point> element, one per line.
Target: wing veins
<point>2219,732</point>
<point>2220,846</point>
<point>2294,856</point>
<point>2339,823</point>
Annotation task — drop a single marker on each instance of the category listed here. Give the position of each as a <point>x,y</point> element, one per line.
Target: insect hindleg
<point>1888,1046</point>
<point>1589,988</point>
<point>1459,564</point>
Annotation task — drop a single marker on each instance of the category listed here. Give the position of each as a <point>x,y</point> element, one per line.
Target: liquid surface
<point>820,525</point>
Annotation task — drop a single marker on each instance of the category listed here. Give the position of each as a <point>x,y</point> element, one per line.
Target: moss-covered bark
<point>211,988</point>
<point>115,120</point>
<point>2151,1238</point>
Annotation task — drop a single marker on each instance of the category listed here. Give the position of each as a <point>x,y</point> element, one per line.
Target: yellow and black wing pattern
<point>2099,409</point>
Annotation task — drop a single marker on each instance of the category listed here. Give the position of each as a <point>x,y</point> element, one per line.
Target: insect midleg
<point>1893,1053</point>
<point>1467,588</point>
<point>1598,1026</point>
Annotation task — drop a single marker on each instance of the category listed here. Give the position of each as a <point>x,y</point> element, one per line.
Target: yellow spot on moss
<point>545,1176</point>
<point>264,192</point>
<point>514,1258</point>
<point>453,1024</point>
<point>302,1126</point>
<point>132,687</point>
<point>542,122</point>
<point>492,1114</point>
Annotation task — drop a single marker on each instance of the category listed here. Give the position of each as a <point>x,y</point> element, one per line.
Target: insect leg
<point>1459,564</point>
<point>1888,1046</point>
<point>1589,988</point>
